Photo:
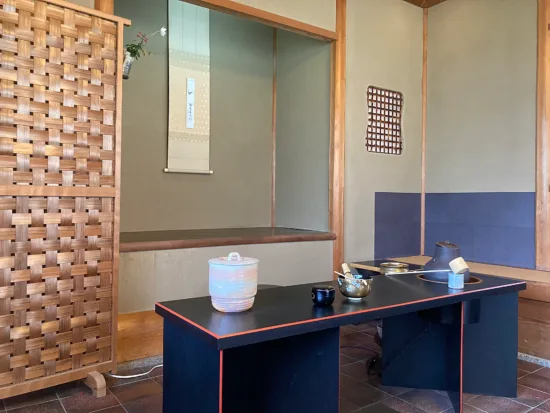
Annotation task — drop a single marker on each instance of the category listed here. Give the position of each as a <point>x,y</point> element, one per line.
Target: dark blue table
<point>282,356</point>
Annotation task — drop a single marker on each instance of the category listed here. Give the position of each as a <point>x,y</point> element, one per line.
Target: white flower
<point>163,31</point>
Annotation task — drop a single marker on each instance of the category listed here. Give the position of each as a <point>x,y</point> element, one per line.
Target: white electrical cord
<point>133,376</point>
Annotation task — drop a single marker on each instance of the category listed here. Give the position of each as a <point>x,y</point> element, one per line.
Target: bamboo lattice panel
<point>384,121</point>
<point>58,92</point>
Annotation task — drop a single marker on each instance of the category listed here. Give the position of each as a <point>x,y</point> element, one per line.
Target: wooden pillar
<point>106,6</point>
<point>338,137</point>
<point>424,121</point>
<point>274,131</point>
<point>543,138</point>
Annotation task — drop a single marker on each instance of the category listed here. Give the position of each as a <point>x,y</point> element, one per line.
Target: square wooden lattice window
<point>384,121</point>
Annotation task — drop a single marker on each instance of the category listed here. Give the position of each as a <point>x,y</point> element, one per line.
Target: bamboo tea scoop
<point>458,266</point>
<point>414,272</point>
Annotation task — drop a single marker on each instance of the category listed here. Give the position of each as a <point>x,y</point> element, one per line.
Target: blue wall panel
<point>396,224</point>
<point>489,227</point>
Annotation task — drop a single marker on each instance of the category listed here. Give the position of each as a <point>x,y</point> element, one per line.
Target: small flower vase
<point>127,65</point>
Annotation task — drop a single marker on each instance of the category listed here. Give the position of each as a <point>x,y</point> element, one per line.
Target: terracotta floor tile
<point>522,373</point>
<point>357,353</point>
<point>466,409</point>
<point>156,372</point>
<point>545,407</point>
<point>48,407</point>
<point>400,406</point>
<point>159,380</point>
<point>347,407</point>
<point>371,331</point>
<point>354,338</point>
<point>135,391</point>
<point>71,389</point>
<point>29,399</point>
<point>149,404</point>
<point>528,366</point>
<point>86,402</point>
<point>116,409</point>
<point>361,394</point>
<point>539,380</point>
<point>345,360</point>
<point>492,404</point>
<point>531,397</point>
<point>376,382</point>
<point>370,343</point>
<point>363,326</point>
<point>346,381</point>
<point>468,396</point>
<point>428,400</point>
<point>346,330</point>
<point>357,370</point>
<point>125,371</point>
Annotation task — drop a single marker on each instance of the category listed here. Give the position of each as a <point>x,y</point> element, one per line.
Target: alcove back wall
<point>481,130</point>
<point>238,194</point>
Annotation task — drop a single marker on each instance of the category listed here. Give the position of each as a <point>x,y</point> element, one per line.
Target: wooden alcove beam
<point>265,17</point>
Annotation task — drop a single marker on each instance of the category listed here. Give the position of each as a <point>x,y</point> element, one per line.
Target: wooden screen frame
<point>16,191</point>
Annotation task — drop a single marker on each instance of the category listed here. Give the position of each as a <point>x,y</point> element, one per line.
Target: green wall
<point>239,191</point>
<point>303,132</point>
<point>482,65</point>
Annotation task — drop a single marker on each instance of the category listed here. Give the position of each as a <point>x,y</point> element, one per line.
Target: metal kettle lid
<point>446,244</point>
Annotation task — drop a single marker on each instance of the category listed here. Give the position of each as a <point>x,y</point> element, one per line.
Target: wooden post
<point>106,6</point>
<point>338,136</point>
<point>543,138</point>
<point>424,120</point>
<point>274,131</point>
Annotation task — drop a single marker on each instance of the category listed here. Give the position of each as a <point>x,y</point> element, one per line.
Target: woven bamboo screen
<point>60,97</point>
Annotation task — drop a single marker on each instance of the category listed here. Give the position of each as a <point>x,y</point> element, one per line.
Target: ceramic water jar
<point>233,282</point>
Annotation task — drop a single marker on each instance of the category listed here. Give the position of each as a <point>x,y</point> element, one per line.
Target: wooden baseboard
<point>534,328</point>
<point>139,336</point>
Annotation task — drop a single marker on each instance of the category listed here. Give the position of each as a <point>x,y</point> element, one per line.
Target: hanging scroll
<point>189,88</point>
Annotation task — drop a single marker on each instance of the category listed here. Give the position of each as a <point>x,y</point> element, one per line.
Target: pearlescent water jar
<point>233,282</point>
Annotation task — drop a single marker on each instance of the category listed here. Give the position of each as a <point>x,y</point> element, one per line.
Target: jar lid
<point>233,259</point>
<point>446,244</point>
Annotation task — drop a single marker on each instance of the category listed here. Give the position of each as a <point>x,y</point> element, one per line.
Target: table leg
<point>425,354</point>
<point>192,372</point>
<point>491,348</point>
<point>291,375</point>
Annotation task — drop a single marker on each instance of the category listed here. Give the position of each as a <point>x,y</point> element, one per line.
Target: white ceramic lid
<point>233,259</point>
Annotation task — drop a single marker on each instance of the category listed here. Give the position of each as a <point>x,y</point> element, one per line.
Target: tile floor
<point>357,390</point>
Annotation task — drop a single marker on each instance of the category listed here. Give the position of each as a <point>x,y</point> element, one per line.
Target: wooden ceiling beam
<point>425,3</point>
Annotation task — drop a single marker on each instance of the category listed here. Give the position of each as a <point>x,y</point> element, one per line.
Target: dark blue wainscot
<point>490,227</point>
<point>396,224</point>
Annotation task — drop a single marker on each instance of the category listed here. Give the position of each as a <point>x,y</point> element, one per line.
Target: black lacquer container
<point>323,295</point>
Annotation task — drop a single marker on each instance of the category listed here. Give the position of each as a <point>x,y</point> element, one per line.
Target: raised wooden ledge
<point>538,282</point>
<point>199,238</point>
